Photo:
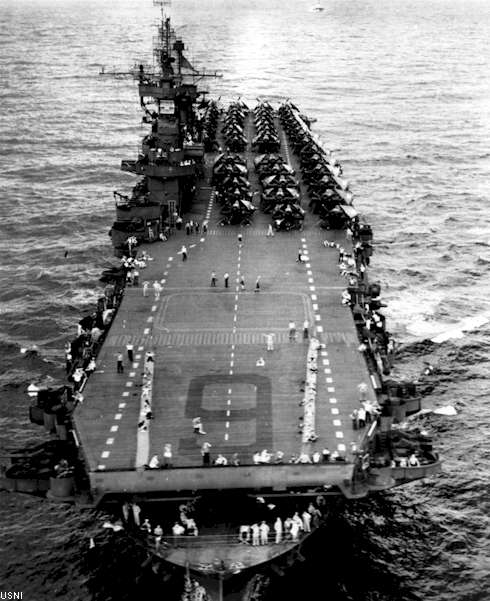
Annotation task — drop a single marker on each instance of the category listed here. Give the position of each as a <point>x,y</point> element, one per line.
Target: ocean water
<point>400,90</point>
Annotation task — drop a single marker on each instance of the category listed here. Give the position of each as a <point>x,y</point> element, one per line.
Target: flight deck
<point>211,358</point>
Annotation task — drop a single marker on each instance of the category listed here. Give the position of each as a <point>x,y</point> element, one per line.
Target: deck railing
<point>207,540</point>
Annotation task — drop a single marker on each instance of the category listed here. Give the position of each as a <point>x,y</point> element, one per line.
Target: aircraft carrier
<point>235,372</point>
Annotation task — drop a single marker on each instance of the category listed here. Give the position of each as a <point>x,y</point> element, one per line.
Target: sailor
<point>297,520</point>
<point>270,231</point>
<point>346,297</point>
<point>264,533</point>
<point>355,419</point>
<point>413,460</point>
<point>288,522</point>
<point>292,331</point>
<point>78,374</point>
<point>312,510</point>
<point>197,426</point>
<point>154,462</point>
<point>125,511</point>
<point>278,530</point>
<point>304,458</point>
<point>69,362</point>
<point>279,457</point>
<point>167,455</point>
<point>129,349</point>
<point>158,532</point>
<point>157,289</point>
<point>136,513</point>
<point>306,521</point>
<point>183,250</point>
<point>191,527</point>
<point>265,456</point>
<point>205,452</point>
<point>91,366</point>
<point>269,338</point>
<point>306,332</point>
<point>221,460</point>
<point>371,411</point>
<point>226,278</point>
<point>244,534</point>
<point>213,279</point>
<point>178,529</point>
<point>316,457</point>
<point>255,535</point>
<point>294,530</point>
<point>361,417</point>
<point>120,366</point>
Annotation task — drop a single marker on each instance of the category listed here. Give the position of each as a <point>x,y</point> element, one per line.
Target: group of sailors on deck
<point>260,532</point>
<point>265,457</point>
<point>365,414</point>
<point>289,529</point>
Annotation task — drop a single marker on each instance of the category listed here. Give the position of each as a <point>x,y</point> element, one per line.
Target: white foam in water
<point>465,325</point>
<point>447,410</point>
<point>414,311</point>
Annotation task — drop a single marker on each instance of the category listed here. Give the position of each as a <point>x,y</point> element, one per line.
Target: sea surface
<point>400,89</point>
